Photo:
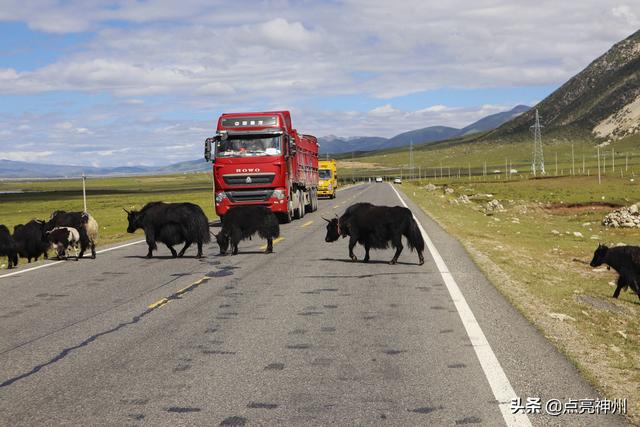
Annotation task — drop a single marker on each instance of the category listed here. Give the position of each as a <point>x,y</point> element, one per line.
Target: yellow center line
<point>165,301</point>
<point>279,239</point>
<point>335,207</point>
<point>306,224</point>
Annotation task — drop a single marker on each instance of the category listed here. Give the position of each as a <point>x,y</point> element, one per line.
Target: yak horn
<point>126,211</point>
<point>328,220</point>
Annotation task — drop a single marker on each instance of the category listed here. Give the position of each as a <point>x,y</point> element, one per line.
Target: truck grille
<point>249,195</point>
<point>253,179</point>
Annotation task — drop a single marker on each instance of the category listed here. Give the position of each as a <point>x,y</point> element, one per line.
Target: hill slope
<point>602,100</point>
<point>337,145</point>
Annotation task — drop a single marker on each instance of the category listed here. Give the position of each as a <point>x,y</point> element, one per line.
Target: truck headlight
<point>330,187</point>
<point>220,196</point>
<point>278,194</point>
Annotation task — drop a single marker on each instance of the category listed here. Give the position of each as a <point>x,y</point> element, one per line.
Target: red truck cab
<point>260,159</point>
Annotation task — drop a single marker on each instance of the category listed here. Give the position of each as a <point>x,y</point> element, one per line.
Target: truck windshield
<point>324,174</point>
<point>249,145</point>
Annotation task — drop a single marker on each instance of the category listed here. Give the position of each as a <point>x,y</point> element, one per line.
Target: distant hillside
<point>13,169</point>
<point>334,144</point>
<point>603,100</point>
<point>337,145</point>
<point>493,121</point>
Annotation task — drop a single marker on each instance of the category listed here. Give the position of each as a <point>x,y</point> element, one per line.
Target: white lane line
<point>58,262</point>
<point>500,385</point>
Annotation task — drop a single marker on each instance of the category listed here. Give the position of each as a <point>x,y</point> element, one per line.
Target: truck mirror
<point>292,146</point>
<point>207,149</point>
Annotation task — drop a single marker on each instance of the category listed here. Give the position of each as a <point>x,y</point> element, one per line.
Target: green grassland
<point>459,157</point>
<point>106,197</point>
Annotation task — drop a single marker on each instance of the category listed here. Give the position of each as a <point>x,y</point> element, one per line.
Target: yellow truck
<point>328,178</point>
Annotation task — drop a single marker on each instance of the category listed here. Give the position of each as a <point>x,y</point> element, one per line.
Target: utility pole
<point>84,191</point>
<point>599,179</point>
<point>613,160</point>
<point>537,166</point>
<point>410,156</point>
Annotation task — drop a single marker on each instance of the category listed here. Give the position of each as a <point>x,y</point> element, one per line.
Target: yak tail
<point>201,228</point>
<point>414,236</point>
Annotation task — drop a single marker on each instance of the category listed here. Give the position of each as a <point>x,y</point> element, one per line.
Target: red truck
<point>260,159</point>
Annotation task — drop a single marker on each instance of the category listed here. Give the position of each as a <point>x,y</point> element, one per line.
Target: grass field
<point>529,252</point>
<point>446,159</point>
<point>106,197</point>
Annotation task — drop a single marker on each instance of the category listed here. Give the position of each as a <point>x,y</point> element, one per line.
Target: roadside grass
<point>535,267</point>
<point>106,197</point>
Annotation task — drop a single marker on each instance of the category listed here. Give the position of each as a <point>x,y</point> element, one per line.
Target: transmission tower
<point>537,166</point>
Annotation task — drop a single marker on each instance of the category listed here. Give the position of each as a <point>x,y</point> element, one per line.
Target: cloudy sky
<point>142,82</point>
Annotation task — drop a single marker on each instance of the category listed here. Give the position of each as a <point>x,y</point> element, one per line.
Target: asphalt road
<point>300,337</point>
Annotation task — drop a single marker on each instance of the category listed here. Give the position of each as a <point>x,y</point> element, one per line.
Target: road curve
<point>299,337</point>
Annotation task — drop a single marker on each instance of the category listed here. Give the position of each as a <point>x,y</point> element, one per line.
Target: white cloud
<point>383,110</point>
<point>206,57</point>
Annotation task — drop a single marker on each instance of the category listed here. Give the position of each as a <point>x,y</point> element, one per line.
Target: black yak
<point>31,240</point>
<point>625,260</point>
<point>64,238</point>
<point>81,221</point>
<point>171,224</point>
<point>242,222</point>
<point>8,247</point>
<point>375,227</point>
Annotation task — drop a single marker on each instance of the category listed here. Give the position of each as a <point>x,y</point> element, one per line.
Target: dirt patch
<point>357,165</point>
<point>600,304</point>
<point>575,208</point>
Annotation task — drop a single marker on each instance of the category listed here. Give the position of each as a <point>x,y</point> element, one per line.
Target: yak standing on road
<point>242,222</point>
<point>64,238</point>
<point>375,227</point>
<point>625,260</point>
<point>171,224</point>
<point>31,239</point>
<point>8,247</point>
<point>83,222</point>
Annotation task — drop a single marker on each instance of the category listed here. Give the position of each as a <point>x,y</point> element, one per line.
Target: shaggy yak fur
<point>623,259</point>
<point>8,247</point>
<point>31,239</point>
<point>81,221</point>
<point>171,224</point>
<point>242,222</point>
<point>376,227</point>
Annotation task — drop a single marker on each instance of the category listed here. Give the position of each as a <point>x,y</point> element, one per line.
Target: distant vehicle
<point>327,173</point>
<point>397,181</point>
<point>379,179</point>
<point>497,171</point>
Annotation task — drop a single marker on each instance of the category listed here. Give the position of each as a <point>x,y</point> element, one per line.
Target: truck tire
<point>314,200</point>
<point>302,208</point>
<point>297,205</point>
<point>285,218</point>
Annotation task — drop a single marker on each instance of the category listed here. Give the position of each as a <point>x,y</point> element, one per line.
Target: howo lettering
<point>260,159</point>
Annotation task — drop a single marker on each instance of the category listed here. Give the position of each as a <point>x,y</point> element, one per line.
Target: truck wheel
<point>302,208</point>
<point>314,201</point>
<point>285,218</point>
<point>296,207</point>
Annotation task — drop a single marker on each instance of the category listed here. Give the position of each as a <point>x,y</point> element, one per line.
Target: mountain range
<point>337,145</point>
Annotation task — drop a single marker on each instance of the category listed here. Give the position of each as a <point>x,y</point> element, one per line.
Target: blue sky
<point>142,82</point>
